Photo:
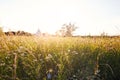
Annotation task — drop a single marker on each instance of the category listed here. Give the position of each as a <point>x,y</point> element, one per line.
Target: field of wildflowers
<point>59,58</point>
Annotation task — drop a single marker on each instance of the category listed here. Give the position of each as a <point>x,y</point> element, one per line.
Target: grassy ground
<point>73,58</point>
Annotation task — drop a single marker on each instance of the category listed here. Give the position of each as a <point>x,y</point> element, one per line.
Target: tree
<point>67,30</point>
<point>103,34</point>
<point>38,33</point>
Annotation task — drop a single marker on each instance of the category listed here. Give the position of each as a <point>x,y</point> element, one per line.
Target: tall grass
<point>31,58</point>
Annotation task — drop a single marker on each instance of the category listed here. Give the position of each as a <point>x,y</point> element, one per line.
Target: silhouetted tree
<point>38,33</point>
<point>68,29</point>
<point>103,34</point>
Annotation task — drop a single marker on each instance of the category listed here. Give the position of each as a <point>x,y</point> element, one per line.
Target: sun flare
<point>92,17</point>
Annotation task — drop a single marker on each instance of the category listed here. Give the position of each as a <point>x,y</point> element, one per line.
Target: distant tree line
<point>13,33</point>
<point>18,33</point>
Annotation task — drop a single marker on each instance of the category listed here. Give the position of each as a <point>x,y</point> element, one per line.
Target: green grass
<point>31,58</point>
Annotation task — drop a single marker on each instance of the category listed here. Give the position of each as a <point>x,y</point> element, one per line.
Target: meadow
<point>65,58</point>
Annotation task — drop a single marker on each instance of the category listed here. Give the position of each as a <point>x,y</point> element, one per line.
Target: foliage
<point>65,58</point>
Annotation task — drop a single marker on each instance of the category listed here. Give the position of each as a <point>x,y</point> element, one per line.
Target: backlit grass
<point>31,58</point>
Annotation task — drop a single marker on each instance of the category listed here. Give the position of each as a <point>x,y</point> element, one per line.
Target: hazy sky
<point>91,16</point>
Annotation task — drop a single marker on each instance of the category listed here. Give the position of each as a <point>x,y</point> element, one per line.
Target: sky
<point>91,16</point>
